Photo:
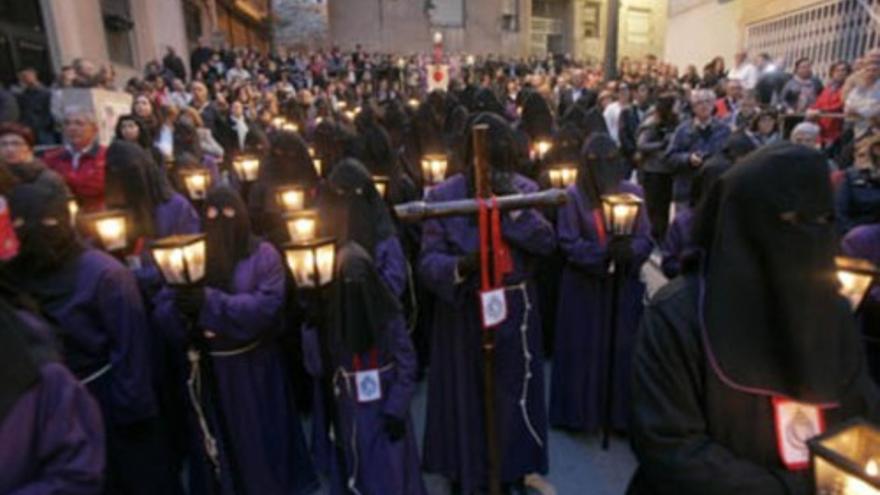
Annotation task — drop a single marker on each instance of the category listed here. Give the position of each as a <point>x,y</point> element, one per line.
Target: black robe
<point>694,435</point>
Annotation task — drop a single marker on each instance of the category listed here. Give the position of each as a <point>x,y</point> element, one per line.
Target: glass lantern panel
<point>195,260</point>
<point>326,259</point>
<point>170,261</point>
<point>301,264</point>
<point>112,231</point>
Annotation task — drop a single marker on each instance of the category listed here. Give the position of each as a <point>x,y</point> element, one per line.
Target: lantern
<point>563,176</point>
<point>196,181</point>
<point>413,103</point>
<point>434,169</point>
<point>470,60</point>
<point>438,38</point>
<point>381,183</point>
<point>291,198</point>
<point>290,127</point>
<point>301,225</point>
<point>73,210</point>
<point>180,258</point>
<point>311,262</point>
<point>621,212</point>
<point>110,227</point>
<point>341,105</point>
<point>846,460</point>
<point>278,122</point>
<point>855,276</point>
<point>401,63</point>
<point>311,152</point>
<point>541,148</point>
<point>246,167</point>
<point>317,163</point>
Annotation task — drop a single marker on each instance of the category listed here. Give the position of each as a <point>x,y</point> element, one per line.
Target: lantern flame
<point>871,469</point>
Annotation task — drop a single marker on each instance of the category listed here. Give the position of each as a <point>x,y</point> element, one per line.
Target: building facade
<point>822,30</point>
<point>47,34</point>
<point>508,27</point>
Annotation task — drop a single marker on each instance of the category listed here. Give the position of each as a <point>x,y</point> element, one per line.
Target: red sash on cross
<point>492,244</point>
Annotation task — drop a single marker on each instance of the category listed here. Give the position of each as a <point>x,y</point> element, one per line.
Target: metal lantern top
<point>247,167</point>
<point>855,276</point>
<point>846,459</point>
<point>197,181</point>
<point>110,227</point>
<point>311,262</point>
<point>434,169</point>
<point>180,258</point>
<point>621,212</point>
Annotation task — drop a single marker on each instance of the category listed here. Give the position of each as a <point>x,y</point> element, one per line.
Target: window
<point>590,21</point>
<point>510,16</point>
<point>638,26</point>
<point>449,13</point>
<point>117,30</point>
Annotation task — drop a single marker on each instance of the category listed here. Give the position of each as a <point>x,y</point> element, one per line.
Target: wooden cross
<point>421,210</point>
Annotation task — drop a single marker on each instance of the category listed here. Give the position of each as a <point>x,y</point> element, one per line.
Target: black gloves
<point>620,250</point>
<point>468,264</point>
<point>502,184</point>
<point>189,301</point>
<point>394,427</point>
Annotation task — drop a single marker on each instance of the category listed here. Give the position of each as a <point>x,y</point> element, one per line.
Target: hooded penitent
<point>352,209</point>
<point>537,118</point>
<point>601,168</point>
<point>42,224</point>
<point>486,101</point>
<point>288,162</point>
<point>374,144</point>
<point>774,323</point>
<point>128,187</point>
<point>501,149</point>
<point>228,236</point>
<point>361,304</point>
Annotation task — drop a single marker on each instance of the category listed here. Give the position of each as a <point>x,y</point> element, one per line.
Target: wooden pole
<point>417,211</point>
<point>482,172</point>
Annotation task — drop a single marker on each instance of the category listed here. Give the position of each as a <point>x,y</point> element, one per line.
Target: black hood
<point>333,143</point>
<point>502,148</point>
<point>228,240</point>
<point>601,168</point>
<point>486,101</point>
<point>774,323</point>
<point>352,209</point>
<point>537,118</point>
<point>288,162</point>
<point>20,370</point>
<point>127,186</point>
<point>361,305</point>
<point>40,213</point>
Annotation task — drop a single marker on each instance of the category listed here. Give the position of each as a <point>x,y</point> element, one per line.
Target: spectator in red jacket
<point>726,107</point>
<point>831,101</point>
<point>81,160</point>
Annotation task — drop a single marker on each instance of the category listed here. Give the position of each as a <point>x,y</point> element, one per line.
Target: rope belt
<point>522,288</point>
<point>97,374</point>
<point>236,352</point>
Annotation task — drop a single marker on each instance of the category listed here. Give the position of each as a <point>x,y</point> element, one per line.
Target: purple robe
<point>864,242</point>
<point>373,464</point>
<point>103,323</point>
<point>677,244</point>
<point>265,434</point>
<point>391,266</point>
<point>52,440</point>
<point>176,216</point>
<point>581,351</point>
<point>106,344</point>
<point>455,439</point>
